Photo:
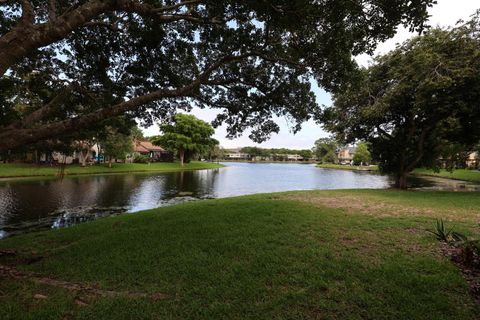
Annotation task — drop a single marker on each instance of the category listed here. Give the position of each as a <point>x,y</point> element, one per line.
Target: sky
<point>445,13</point>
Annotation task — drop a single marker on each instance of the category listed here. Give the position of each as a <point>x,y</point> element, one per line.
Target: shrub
<point>440,232</point>
<point>469,248</point>
<point>139,158</point>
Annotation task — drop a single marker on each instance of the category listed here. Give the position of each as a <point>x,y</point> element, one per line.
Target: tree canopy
<point>115,144</point>
<point>186,134</point>
<point>362,155</point>
<point>67,65</point>
<point>325,150</point>
<point>415,100</point>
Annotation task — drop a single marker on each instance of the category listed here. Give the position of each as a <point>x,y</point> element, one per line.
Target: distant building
<point>472,160</point>
<point>236,154</point>
<point>345,155</point>
<point>294,157</point>
<point>155,153</point>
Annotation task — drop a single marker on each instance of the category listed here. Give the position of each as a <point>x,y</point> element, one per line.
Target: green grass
<point>25,170</point>
<point>458,174</point>
<point>346,167</point>
<point>358,254</point>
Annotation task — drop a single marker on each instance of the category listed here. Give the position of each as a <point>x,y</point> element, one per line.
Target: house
<point>294,157</point>
<point>472,160</point>
<point>148,149</point>
<point>236,154</point>
<point>345,155</point>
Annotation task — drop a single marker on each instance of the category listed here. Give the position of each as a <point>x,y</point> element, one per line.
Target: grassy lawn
<point>346,167</point>
<point>459,174</point>
<point>25,170</point>
<point>360,254</point>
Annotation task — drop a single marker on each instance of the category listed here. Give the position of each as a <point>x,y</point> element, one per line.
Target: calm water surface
<point>27,205</point>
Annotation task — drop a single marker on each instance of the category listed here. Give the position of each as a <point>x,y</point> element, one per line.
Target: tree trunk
<point>181,155</point>
<point>83,157</point>
<point>401,181</point>
<point>109,161</point>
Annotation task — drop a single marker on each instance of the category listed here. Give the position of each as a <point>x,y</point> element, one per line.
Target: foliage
<point>115,144</point>
<point>186,134</point>
<point>140,158</point>
<point>470,248</point>
<point>80,62</point>
<point>325,150</point>
<point>255,151</point>
<point>414,100</point>
<point>440,232</point>
<point>217,152</point>
<point>362,154</point>
<point>137,134</point>
<point>276,154</point>
<point>306,154</point>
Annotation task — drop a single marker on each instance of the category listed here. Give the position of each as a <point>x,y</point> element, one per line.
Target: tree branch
<point>178,5</point>
<point>52,10</point>
<point>27,12</point>
<point>20,41</point>
<point>13,138</point>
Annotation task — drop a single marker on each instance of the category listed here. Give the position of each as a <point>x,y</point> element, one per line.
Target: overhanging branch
<point>15,137</point>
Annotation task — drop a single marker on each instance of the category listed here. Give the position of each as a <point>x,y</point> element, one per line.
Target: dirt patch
<point>470,273</point>
<point>12,273</point>
<point>369,206</point>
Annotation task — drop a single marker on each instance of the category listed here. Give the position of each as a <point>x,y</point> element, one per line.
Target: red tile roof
<point>146,147</point>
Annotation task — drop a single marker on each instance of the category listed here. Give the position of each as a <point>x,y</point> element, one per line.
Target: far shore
<point>268,161</point>
<point>470,175</point>
<point>17,170</point>
<point>346,167</point>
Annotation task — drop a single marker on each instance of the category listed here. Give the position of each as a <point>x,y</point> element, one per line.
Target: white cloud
<point>445,13</point>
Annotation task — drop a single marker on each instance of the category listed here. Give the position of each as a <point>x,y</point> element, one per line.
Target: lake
<point>32,204</point>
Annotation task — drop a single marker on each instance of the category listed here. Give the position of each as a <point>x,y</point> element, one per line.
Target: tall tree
<point>85,61</point>
<point>187,134</point>
<point>414,100</point>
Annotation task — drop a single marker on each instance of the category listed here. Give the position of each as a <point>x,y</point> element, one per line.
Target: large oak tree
<point>69,64</point>
<point>415,102</point>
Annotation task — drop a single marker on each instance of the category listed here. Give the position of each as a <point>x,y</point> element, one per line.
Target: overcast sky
<point>445,13</point>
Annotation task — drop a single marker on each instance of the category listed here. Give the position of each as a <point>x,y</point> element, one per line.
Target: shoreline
<point>54,172</point>
<point>348,167</point>
<point>472,176</point>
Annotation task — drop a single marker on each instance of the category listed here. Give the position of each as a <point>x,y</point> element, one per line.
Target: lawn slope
<point>457,174</point>
<point>299,255</point>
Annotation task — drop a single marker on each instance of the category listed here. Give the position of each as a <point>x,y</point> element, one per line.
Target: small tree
<point>362,154</point>
<point>253,152</point>
<point>116,144</point>
<point>325,150</point>
<point>187,134</point>
<point>216,152</point>
<point>305,154</point>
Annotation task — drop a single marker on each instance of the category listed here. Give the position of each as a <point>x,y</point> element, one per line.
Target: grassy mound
<point>297,255</point>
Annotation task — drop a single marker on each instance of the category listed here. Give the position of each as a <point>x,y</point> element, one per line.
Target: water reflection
<point>29,205</point>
